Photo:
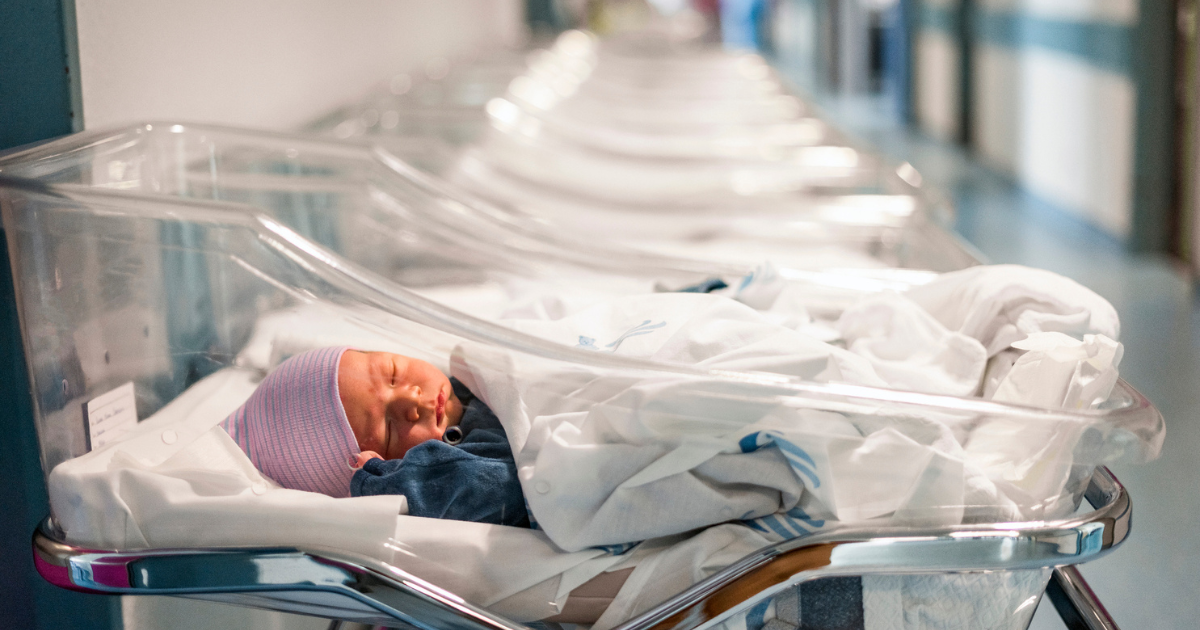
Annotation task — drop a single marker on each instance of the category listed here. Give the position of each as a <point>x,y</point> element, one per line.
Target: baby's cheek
<point>366,440</point>
<point>372,443</point>
<point>454,411</point>
<point>420,435</point>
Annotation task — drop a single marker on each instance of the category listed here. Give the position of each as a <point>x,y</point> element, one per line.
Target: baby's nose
<point>410,398</point>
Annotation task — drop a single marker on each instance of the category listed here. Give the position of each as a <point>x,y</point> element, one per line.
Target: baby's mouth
<point>440,410</point>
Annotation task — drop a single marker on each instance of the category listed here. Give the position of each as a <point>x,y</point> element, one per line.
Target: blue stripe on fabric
<point>787,525</point>
<point>799,466</point>
<point>784,526</point>
<point>1105,45</point>
<point>777,527</point>
<point>792,449</point>
<point>796,456</point>
<point>757,617</point>
<point>794,525</point>
<point>800,515</point>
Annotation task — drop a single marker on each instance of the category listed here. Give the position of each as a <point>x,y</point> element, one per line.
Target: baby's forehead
<point>380,353</point>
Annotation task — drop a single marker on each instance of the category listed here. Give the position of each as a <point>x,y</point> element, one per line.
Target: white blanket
<point>608,458</point>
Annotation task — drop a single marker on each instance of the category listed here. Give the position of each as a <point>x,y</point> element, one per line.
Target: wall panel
<point>936,81</point>
<point>268,63</point>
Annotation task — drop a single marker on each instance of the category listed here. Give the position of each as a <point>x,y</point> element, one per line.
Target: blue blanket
<point>475,480</point>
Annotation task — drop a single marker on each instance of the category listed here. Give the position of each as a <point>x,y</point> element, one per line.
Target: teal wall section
<point>1155,190</point>
<point>37,92</point>
<point>967,37</point>
<point>1104,45</point>
<point>800,47</point>
<point>939,18</point>
<point>39,99</point>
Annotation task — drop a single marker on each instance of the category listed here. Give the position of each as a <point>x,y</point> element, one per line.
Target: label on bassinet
<point>109,416</point>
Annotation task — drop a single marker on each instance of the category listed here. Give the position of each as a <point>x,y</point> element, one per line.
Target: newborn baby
<point>348,423</point>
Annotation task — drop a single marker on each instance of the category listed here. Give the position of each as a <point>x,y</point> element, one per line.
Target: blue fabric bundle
<point>475,480</point>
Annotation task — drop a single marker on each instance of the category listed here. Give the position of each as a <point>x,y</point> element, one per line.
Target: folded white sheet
<point>178,481</point>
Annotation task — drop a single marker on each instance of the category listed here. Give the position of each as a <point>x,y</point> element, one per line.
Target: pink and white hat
<point>294,428</point>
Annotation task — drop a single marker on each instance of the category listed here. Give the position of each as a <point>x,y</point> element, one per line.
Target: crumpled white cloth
<point>1022,458</point>
<point>1000,304</point>
<point>910,349</point>
<point>612,457</point>
<point>607,459</point>
<point>1060,372</point>
<point>697,329</point>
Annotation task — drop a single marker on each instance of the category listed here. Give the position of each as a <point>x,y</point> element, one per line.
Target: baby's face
<point>394,402</point>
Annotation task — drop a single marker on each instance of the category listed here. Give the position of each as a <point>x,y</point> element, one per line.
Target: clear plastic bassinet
<point>413,228</point>
<point>135,263</point>
<point>681,151</point>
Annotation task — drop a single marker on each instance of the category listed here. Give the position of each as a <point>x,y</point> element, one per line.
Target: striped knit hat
<point>294,428</point>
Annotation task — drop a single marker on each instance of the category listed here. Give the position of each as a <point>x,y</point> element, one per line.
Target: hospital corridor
<point>600,314</point>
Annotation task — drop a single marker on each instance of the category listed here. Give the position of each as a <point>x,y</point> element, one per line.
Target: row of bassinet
<point>148,254</point>
<point>699,154</point>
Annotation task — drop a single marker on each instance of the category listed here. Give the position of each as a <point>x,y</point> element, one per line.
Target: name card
<point>109,416</point>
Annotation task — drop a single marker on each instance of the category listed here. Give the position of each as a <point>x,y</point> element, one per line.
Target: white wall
<point>272,64</point>
<point>1062,127</point>
<point>1077,138</point>
<point>936,84</point>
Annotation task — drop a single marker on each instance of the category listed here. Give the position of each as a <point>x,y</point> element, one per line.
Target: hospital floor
<point>1153,580</point>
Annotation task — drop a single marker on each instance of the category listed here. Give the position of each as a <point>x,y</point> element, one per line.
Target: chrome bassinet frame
<point>327,583</point>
